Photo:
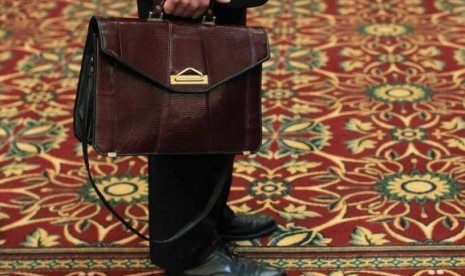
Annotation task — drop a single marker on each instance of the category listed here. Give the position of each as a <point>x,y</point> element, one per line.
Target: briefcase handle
<point>157,14</point>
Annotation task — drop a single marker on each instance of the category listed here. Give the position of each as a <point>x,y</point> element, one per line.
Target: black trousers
<point>180,187</point>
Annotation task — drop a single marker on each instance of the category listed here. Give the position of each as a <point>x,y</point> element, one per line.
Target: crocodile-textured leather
<point>136,109</point>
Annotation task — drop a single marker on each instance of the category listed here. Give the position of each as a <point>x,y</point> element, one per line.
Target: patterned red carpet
<point>363,157</point>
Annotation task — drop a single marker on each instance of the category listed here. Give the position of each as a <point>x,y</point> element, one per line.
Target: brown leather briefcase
<point>170,86</point>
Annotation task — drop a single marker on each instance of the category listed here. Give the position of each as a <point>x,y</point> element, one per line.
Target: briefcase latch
<point>189,76</point>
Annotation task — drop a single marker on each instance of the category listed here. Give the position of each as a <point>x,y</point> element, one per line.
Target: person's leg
<point>179,188</point>
<point>201,248</point>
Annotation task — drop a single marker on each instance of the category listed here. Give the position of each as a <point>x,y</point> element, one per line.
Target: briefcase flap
<point>182,57</point>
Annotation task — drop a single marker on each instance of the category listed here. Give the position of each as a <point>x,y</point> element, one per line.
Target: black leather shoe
<point>246,227</point>
<point>224,262</point>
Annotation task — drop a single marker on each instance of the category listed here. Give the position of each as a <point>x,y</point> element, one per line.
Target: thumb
<point>223,1</point>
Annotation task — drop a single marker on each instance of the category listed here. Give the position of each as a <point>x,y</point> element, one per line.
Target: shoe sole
<point>263,233</point>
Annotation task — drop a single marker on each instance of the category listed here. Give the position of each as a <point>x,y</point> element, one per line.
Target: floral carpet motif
<point>363,155</point>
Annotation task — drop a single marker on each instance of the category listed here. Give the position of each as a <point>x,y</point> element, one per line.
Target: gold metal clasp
<point>189,76</point>
<point>154,17</point>
<point>209,18</point>
<point>209,21</point>
<point>157,14</point>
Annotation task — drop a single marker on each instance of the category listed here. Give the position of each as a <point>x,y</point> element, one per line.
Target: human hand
<point>188,8</point>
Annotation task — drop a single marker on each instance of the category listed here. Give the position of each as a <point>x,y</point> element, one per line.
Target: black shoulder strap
<point>213,199</point>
